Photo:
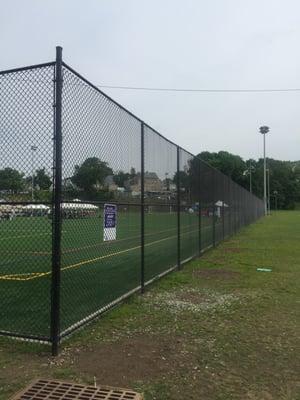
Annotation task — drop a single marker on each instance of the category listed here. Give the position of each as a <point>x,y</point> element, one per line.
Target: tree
<point>132,172</point>
<point>42,180</point>
<point>184,180</point>
<point>284,176</point>
<point>121,177</point>
<point>231,165</point>
<point>284,179</point>
<point>11,180</point>
<point>90,175</point>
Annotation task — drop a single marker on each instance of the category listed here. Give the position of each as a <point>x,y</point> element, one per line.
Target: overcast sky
<point>215,44</point>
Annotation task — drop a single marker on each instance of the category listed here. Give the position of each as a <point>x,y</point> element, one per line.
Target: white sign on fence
<point>109,222</point>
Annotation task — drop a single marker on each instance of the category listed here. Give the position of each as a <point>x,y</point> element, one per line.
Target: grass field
<point>94,272</point>
<point>217,330</point>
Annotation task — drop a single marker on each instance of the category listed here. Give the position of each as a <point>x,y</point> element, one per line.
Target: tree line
<point>284,176</point>
<point>89,178</point>
<point>13,182</point>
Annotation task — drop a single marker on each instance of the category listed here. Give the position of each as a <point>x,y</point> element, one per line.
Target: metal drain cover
<point>59,390</point>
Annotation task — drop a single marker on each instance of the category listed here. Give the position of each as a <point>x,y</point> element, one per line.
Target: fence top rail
<point>35,66</point>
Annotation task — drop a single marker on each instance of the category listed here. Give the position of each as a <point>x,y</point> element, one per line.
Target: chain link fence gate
<point>69,153</point>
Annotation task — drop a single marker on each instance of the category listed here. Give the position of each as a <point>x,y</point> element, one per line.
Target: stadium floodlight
<point>264,130</point>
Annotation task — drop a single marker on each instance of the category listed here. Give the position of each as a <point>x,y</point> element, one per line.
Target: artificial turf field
<point>93,272</point>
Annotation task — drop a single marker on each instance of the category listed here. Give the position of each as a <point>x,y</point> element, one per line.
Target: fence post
<point>235,210</point>
<point>199,208</point>
<point>214,225</point>
<point>178,209</point>
<point>229,208</point>
<point>214,211</point>
<point>223,220</point>
<point>142,208</point>
<point>200,233</point>
<point>56,206</point>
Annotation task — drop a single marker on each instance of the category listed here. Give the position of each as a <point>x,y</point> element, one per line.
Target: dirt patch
<point>192,300</point>
<point>217,273</point>
<point>20,366</point>
<point>132,359</point>
<point>192,297</point>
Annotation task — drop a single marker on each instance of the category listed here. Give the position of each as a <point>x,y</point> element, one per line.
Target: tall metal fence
<point>94,203</point>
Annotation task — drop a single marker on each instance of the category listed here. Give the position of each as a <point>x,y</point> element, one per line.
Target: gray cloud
<point>171,43</point>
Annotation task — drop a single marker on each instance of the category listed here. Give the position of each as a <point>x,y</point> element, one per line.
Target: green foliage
<point>42,195</point>
<point>120,178</point>
<point>42,180</point>
<point>231,165</point>
<point>89,179</point>
<point>284,176</point>
<point>284,182</point>
<point>184,179</point>
<point>90,176</point>
<point>11,180</point>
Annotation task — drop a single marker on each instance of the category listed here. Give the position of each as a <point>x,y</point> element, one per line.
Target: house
<point>152,183</point>
<point>169,185</point>
<point>107,184</point>
<point>110,184</point>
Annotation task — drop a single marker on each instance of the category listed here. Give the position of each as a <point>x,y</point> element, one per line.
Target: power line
<point>161,89</point>
<point>158,89</point>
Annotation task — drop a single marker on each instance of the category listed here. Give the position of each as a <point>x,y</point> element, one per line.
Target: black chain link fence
<point>94,203</point>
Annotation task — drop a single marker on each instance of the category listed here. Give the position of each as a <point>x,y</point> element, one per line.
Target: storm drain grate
<point>59,390</point>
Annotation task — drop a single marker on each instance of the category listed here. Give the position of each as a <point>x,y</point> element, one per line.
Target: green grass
<point>94,272</point>
<point>218,329</point>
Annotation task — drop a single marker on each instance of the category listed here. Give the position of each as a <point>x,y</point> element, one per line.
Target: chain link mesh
<point>101,165</point>
<point>160,194</point>
<point>168,205</point>
<point>26,160</point>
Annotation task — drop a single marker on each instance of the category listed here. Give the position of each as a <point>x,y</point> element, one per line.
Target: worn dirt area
<point>217,273</point>
<point>132,359</point>
<point>192,301</point>
<point>27,363</point>
<point>193,297</point>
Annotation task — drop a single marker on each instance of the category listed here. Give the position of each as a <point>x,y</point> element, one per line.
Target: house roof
<point>151,175</point>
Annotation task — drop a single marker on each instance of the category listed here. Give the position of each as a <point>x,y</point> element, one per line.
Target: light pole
<point>33,150</point>
<point>251,168</point>
<point>249,172</point>
<point>269,204</point>
<point>275,195</point>
<point>263,130</point>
